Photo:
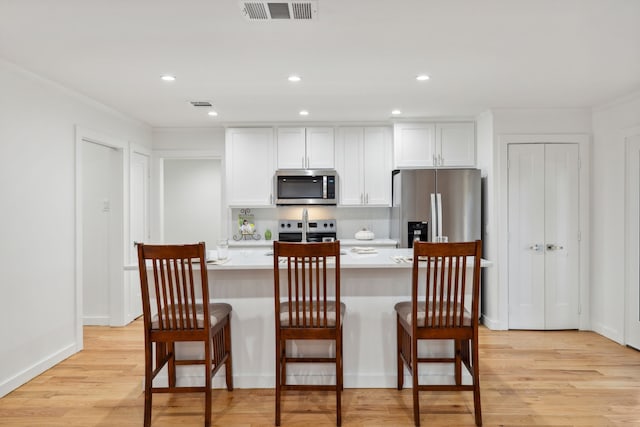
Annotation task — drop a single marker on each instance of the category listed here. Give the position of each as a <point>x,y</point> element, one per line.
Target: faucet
<point>305,224</point>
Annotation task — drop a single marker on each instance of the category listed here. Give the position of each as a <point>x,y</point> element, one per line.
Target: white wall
<point>607,218</point>
<point>37,189</point>
<point>485,160</point>
<point>192,201</point>
<point>181,143</point>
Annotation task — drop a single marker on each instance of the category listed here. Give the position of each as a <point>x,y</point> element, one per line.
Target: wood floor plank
<point>528,378</point>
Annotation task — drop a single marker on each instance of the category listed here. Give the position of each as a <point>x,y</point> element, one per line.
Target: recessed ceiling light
<point>168,78</point>
<point>304,113</point>
<point>212,113</point>
<point>294,78</point>
<point>396,112</point>
<point>422,77</point>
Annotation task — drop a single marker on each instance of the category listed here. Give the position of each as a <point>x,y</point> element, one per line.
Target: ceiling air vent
<point>201,103</point>
<point>271,10</point>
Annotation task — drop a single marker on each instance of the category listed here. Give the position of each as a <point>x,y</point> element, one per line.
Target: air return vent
<point>201,103</point>
<point>272,10</point>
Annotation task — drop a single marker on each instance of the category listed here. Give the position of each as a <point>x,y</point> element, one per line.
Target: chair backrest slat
<point>172,289</point>
<point>440,283</point>
<point>309,283</point>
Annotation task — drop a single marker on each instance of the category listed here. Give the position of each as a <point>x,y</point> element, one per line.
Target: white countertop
<point>256,258</point>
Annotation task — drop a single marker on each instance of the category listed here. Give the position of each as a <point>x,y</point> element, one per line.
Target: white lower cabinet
<point>249,166</point>
<point>364,166</point>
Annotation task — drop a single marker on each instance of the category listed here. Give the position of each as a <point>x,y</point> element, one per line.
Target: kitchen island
<point>371,284</point>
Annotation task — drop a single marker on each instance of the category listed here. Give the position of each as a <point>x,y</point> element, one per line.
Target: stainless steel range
<point>319,230</point>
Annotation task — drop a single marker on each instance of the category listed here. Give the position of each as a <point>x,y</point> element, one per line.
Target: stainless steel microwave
<point>306,187</point>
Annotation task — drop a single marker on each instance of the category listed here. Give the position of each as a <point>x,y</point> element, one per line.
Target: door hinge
<point>579,236</point>
<point>579,308</point>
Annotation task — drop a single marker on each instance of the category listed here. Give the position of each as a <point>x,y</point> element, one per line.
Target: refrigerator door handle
<point>434,217</point>
<point>439,202</point>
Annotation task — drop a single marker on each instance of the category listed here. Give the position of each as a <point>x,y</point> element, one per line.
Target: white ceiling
<point>358,60</point>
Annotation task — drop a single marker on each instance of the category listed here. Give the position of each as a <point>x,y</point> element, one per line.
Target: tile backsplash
<point>349,219</point>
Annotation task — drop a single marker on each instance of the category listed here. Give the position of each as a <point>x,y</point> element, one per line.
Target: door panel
<point>561,236</point>
<point>140,231</point>
<point>97,199</point>
<point>526,236</point>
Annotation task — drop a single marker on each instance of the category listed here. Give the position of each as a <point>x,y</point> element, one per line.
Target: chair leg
<point>207,382</point>
<point>339,379</point>
<point>458,344</point>
<point>278,376</point>
<point>476,381</point>
<point>171,369</point>
<point>228,368</point>
<point>414,364</point>
<point>148,382</point>
<point>399,340</point>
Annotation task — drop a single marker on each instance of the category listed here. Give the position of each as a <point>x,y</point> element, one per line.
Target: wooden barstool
<point>437,311</point>
<point>307,292</point>
<point>173,312</point>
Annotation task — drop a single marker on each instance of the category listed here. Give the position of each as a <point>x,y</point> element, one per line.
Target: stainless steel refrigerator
<point>428,203</point>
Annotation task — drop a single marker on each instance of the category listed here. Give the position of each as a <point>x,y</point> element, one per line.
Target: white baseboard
<point>608,332</point>
<point>437,375</point>
<point>492,324</point>
<point>33,371</point>
<point>96,320</point>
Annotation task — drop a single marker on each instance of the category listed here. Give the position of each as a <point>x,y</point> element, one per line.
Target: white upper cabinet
<point>427,145</point>
<point>306,148</point>
<point>249,167</point>
<point>364,166</point>
<point>456,144</point>
<point>414,145</point>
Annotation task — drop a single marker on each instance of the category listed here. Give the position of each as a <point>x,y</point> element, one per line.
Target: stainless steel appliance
<point>438,202</point>
<point>320,230</point>
<point>306,187</point>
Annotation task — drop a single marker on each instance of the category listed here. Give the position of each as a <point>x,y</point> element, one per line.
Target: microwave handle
<point>324,187</point>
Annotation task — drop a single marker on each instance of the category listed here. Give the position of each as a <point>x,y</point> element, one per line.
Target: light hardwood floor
<point>566,378</point>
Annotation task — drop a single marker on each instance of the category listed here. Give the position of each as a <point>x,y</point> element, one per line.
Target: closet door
<point>543,236</point>
<point>561,236</point>
<point>526,236</point>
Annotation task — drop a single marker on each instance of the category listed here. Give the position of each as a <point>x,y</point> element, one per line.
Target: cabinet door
<point>414,145</point>
<point>320,148</point>
<point>291,148</point>
<point>455,144</point>
<point>349,166</point>
<point>377,166</point>
<point>249,166</point>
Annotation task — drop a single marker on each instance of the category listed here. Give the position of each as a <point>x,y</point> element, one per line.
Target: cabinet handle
<point>536,247</point>
<point>440,160</point>
<point>307,163</point>
<point>361,198</point>
<point>366,198</point>
<point>435,160</point>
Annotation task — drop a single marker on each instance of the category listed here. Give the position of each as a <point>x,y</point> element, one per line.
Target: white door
<point>97,200</point>
<point>543,182</point>
<point>140,230</point>
<point>632,300</point>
